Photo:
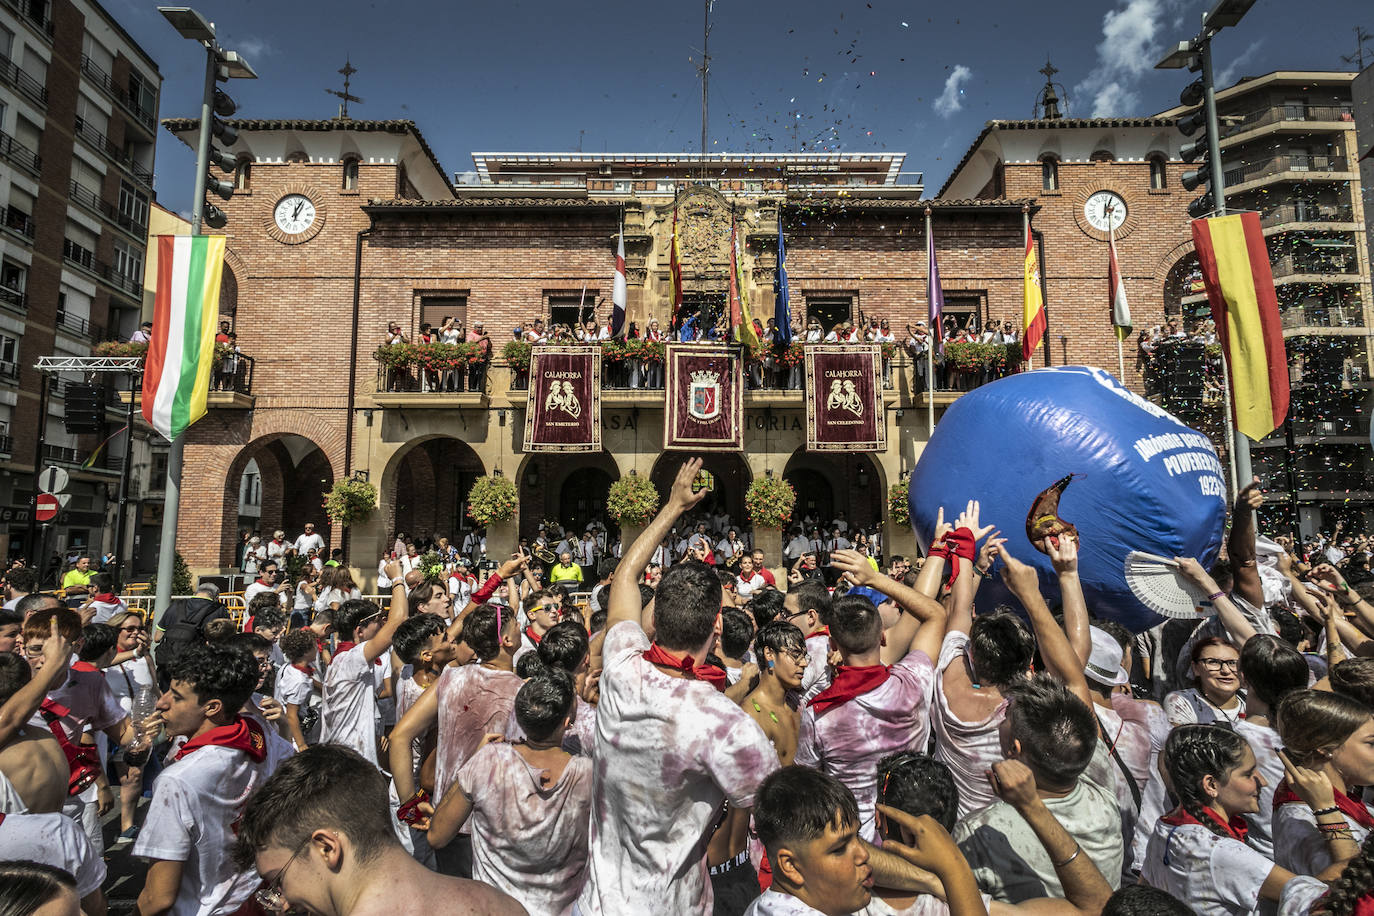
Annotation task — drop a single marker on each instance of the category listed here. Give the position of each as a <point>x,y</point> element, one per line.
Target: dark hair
<point>10,618</point>
<point>1057,731</point>
<point>413,636</point>
<point>919,785</point>
<point>102,583</point>
<point>766,604</point>
<point>1118,632</point>
<point>544,703</point>
<point>424,592</point>
<point>605,568</point>
<point>1222,575</point>
<point>14,674</point>
<point>1311,722</point>
<point>564,646</point>
<point>1272,669</point>
<point>597,622</point>
<point>351,615</point>
<point>686,606</point>
<point>39,624</point>
<point>1195,751</point>
<point>780,636</point>
<point>297,644</point>
<point>812,595</point>
<point>270,618</point>
<point>855,624</point>
<point>26,887</point>
<point>22,579</point>
<point>796,804</point>
<point>1208,643</point>
<point>646,594</point>
<point>573,614</point>
<point>249,642</point>
<point>1001,647</point>
<point>262,601</point>
<point>218,672</point>
<point>533,598</point>
<point>736,631</point>
<point>1353,882</point>
<point>479,630</point>
<point>528,665</point>
<point>1354,678</point>
<point>325,785</point>
<point>1143,900</point>
<point>324,615</point>
<point>34,602</point>
<point>96,640</point>
<point>1291,629</point>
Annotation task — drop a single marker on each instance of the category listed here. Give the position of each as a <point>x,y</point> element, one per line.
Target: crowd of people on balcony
<point>1181,359</point>
<point>716,732</point>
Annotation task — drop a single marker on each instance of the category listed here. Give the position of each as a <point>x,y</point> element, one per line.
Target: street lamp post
<point>219,63</point>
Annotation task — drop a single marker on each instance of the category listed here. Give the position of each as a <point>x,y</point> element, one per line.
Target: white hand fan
<point>1158,585</point>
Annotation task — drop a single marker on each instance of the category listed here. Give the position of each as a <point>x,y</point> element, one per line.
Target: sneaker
<point>128,836</point>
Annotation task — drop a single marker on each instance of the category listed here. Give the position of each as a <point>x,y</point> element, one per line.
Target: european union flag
<point>782,312</point>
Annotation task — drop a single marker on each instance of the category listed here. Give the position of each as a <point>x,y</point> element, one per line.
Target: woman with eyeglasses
<point>129,681</point>
<point>1216,695</point>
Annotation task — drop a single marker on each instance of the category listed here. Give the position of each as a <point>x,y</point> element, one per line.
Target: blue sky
<point>854,75</point>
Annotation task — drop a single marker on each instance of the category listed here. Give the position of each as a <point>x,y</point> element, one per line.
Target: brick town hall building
<point>394,240</point>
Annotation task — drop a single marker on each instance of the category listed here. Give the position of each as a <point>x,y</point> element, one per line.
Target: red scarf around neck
<point>84,666</point>
<point>345,645</point>
<point>850,681</point>
<point>307,670</point>
<point>1236,829</point>
<point>533,636</point>
<point>105,598</point>
<point>712,675</point>
<point>243,734</point>
<point>1350,807</point>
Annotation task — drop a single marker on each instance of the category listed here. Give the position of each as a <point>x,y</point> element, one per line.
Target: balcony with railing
<point>1295,168</point>
<point>76,324</point>
<point>6,445</point>
<point>16,220</point>
<point>103,80</point>
<point>13,298</point>
<point>20,154</point>
<point>592,183</point>
<point>107,211</point>
<point>9,370</point>
<point>20,79</point>
<point>1320,315</point>
<point>231,377</point>
<point>1342,264</point>
<point>101,144</point>
<point>1306,213</point>
<point>1278,114</point>
<point>35,13</point>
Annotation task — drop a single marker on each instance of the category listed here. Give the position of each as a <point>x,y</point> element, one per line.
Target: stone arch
<point>439,465</point>
<point>851,485</point>
<point>543,483</point>
<point>732,478</point>
<point>295,476</point>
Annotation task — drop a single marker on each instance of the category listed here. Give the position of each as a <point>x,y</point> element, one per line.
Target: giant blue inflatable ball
<point>1147,481</point>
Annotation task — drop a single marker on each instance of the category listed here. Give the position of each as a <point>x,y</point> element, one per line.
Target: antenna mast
<point>705,71</point>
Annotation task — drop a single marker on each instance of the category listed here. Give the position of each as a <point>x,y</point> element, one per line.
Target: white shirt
<point>668,751</point>
<point>1218,876</point>
<point>306,542</point>
<point>254,589</point>
<point>772,903</point>
<point>746,587</point>
<point>349,706</point>
<point>969,749</point>
<point>296,687</point>
<point>196,802</point>
<point>1299,846</point>
<point>126,678</point>
<point>104,610</point>
<point>276,550</point>
<point>53,839</point>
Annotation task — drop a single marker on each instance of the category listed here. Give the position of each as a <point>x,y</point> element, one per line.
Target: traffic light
<point>223,106</point>
<point>1198,151</point>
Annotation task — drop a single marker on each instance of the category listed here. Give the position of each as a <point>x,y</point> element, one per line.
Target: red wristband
<point>483,594</point>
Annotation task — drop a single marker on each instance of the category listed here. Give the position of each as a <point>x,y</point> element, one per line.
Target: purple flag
<point>935,293</point>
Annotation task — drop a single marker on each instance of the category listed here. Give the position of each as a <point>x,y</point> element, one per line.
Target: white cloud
<point>1133,39</point>
<point>1228,76</point>
<point>251,47</point>
<point>952,99</point>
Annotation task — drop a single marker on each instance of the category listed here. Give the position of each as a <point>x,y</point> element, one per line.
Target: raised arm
<point>932,574</point>
<point>507,570</point>
<point>1064,556</point>
<point>1058,655</point>
<point>1237,625</point>
<point>922,842</point>
<point>922,624</point>
<point>378,645</point>
<point>418,719</point>
<point>1240,545</point>
<point>21,706</point>
<point>625,603</point>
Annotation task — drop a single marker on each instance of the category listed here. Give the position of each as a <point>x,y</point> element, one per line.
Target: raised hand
<point>987,554</point>
<point>854,565</point>
<point>920,840</point>
<point>683,496</point>
<point>969,519</point>
<point>1312,786</point>
<point>1014,783</point>
<point>512,567</point>
<point>942,527</point>
<point>1250,497</point>
<point>1019,577</point>
<point>1192,570</point>
<point>1063,553</point>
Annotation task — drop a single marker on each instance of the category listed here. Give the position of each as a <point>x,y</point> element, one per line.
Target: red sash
<point>243,734</point>
<point>712,675</point>
<point>84,666</point>
<point>533,636</point>
<point>958,545</point>
<point>346,645</point>
<point>307,670</point>
<point>850,681</point>
<point>1355,810</point>
<point>1236,829</point>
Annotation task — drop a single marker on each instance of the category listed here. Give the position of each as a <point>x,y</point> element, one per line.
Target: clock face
<point>1105,211</point>
<point>294,214</point>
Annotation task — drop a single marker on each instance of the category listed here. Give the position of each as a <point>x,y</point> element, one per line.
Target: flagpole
<point>167,545</point>
<point>930,342</point>
<point>1120,359</point>
<point>1232,435</point>
<point>1111,250</point>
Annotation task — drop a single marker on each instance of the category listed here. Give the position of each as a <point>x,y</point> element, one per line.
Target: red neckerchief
<point>260,582</point>
<point>243,734</point>
<point>712,675</point>
<point>850,681</point>
<point>1356,811</point>
<point>307,670</point>
<point>823,631</point>
<point>105,598</point>
<point>533,636</point>
<point>84,666</point>
<point>346,645</point>
<point>276,541</point>
<point>959,544</point>
<point>1236,829</point>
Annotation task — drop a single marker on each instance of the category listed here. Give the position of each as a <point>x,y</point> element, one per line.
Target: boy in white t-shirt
<point>298,688</point>
<point>357,671</point>
<point>200,797</point>
<point>54,839</point>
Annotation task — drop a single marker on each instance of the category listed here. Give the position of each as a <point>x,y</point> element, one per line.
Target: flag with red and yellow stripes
<point>1240,287</point>
<point>1034,322</point>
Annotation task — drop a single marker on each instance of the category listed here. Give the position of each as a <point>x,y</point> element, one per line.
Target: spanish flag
<point>1033,327</point>
<point>675,268</point>
<point>741,322</point>
<point>1240,287</point>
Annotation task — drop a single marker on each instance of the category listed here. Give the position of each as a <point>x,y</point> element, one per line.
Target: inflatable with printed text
<point>1148,482</point>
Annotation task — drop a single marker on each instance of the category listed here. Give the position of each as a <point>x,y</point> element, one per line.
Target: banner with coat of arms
<point>844,403</point>
<point>704,408</point>
<point>563,413</point>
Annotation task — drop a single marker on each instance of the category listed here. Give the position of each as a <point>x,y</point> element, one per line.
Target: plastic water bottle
<point>144,705</point>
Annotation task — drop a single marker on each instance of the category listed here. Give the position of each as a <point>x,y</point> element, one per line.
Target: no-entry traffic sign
<point>47,507</point>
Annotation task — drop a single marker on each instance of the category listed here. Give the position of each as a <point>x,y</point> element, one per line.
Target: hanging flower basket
<point>898,509</point>
<point>517,355</point>
<point>769,502</point>
<point>491,500</point>
<point>632,500</point>
<point>119,348</point>
<point>350,501</point>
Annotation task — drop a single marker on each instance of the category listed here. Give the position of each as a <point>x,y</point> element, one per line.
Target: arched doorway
<point>279,482</point>
<point>569,490</point>
<point>732,479</point>
<point>833,485</point>
<point>425,490</point>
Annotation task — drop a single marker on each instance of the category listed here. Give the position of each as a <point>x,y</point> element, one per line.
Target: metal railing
<point>20,154</point>
<point>108,211</point>
<point>6,445</point>
<point>1322,316</point>
<point>35,13</point>
<point>1288,265</point>
<point>619,184</point>
<point>1276,113</point>
<point>1337,481</point>
<point>9,369</point>
<point>1253,171</point>
<point>13,298</point>
<point>61,454</point>
<point>19,221</point>
<point>233,373</point>
<point>1312,213</point>
<point>80,325</point>
<point>23,81</point>
<point>103,145</point>
<point>125,99</point>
